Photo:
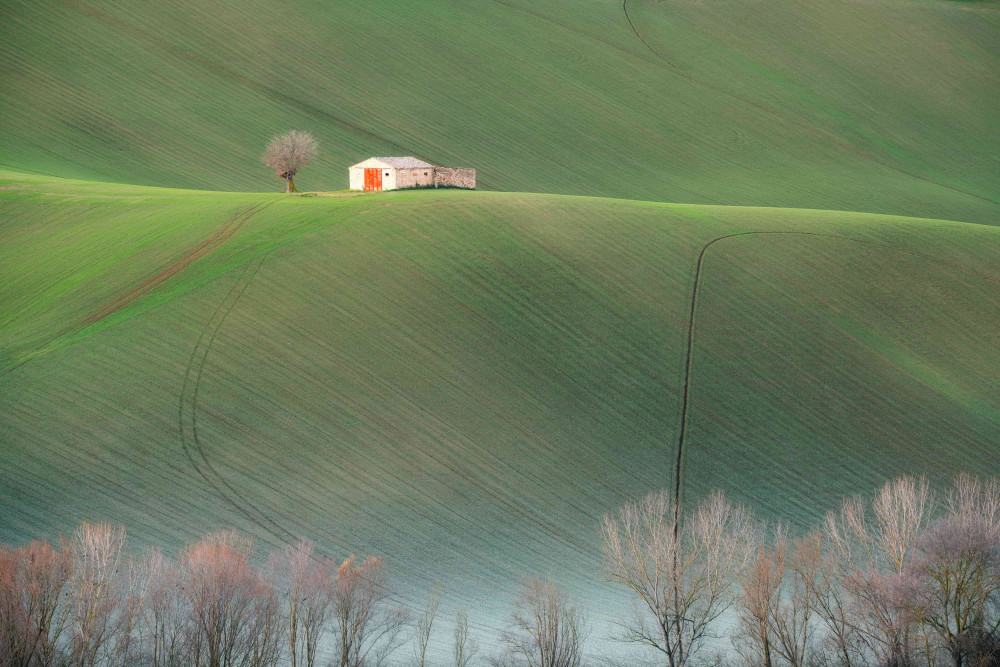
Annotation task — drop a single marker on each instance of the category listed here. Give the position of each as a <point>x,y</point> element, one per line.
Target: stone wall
<point>452,177</point>
<point>413,178</point>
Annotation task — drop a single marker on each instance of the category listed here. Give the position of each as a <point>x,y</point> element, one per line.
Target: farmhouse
<point>395,173</point>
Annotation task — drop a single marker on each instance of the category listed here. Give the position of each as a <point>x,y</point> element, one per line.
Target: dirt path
<point>171,270</point>
<point>149,284</point>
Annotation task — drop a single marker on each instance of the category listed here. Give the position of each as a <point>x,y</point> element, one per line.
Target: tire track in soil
<point>234,75</point>
<point>187,423</point>
<point>194,449</point>
<point>686,393</point>
<point>577,31</point>
<point>187,412</point>
<point>816,131</point>
<point>127,298</point>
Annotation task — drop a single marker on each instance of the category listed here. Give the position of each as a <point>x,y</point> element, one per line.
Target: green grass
<point>467,381</point>
<point>883,106</point>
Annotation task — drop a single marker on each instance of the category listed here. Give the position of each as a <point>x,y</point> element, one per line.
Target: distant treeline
<point>909,578</point>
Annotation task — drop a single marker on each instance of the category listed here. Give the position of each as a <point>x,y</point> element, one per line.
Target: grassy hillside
<point>884,105</point>
<point>466,381</point>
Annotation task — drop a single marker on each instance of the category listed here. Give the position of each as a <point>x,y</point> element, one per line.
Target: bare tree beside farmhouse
<point>289,152</point>
<point>545,629</point>
<point>683,575</point>
<point>369,630</point>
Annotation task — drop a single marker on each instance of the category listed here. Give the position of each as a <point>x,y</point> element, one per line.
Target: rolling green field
<point>884,106</point>
<point>467,381</point>
<point>786,211</point>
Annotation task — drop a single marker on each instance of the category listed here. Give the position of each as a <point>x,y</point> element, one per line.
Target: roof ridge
<point>400,162</point>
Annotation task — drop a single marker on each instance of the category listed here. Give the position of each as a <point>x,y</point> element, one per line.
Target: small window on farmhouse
<point>425,173</point>
<point>386,173</point>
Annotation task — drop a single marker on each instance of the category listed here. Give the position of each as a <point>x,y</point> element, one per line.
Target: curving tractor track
<point>819,132</point>
<point>187,411</point>
<point>686,391</point>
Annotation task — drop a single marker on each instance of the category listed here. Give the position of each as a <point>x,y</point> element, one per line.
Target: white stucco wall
<point>392,177</point>
<point>389,178</point>
<point>357,178</point>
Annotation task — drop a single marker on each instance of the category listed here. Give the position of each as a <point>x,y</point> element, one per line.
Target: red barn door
<point>373,179</point>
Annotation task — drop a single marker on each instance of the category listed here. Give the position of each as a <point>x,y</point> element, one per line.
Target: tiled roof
<point>404,162</point>
<point>395,162</point>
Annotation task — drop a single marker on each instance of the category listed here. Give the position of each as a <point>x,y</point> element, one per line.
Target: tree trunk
<point>289,184</point>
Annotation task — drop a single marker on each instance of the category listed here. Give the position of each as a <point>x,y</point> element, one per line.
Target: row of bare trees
<point>909,578</point>
<point>86,602</point>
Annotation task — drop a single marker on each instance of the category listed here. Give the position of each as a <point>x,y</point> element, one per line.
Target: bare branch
<point>97,553</point>
<point>682,575</point>
<point>33,605</point>
<point>289,152</point>
<point>466,647</point>
<point>369,629</point>
<point>235,612</point>
<point>545,629</point>
<point>425,624</point>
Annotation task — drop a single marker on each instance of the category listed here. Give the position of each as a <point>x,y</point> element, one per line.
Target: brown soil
<point>157,279</point>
